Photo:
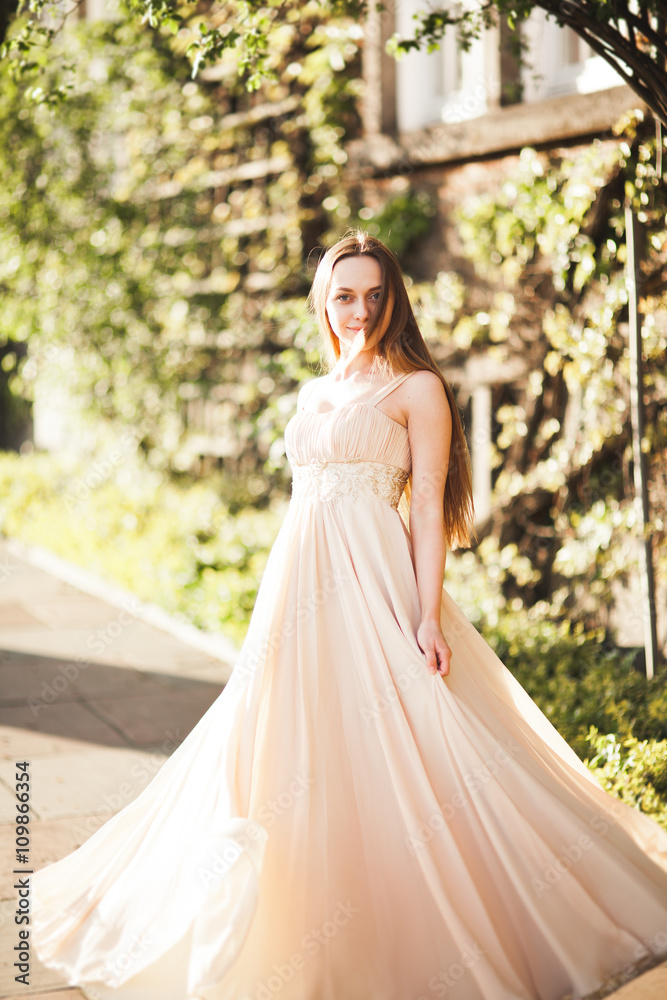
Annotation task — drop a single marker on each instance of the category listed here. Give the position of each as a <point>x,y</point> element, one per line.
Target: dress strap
<point>386,389</point>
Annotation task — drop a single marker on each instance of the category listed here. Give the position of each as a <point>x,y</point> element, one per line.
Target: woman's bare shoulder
<point>305,390</point>
<point>425,404</point>
<point>425,379</point>
<point>424,387</point>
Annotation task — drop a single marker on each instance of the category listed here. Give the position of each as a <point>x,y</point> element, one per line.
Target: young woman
<point>373,808</point>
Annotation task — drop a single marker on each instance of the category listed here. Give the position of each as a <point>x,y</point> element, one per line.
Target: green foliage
<point>28,47</point>
<point>401,220</point>
<point>577,679</point>
<point>196,549</point>
<point>540,209</point>
<point>88,261</point>
<point>468,22</point>
<point>243,36</point>
<point>548,250</point>
<point>613,718</point>
<point>635,771</point>
<point>135,239</point>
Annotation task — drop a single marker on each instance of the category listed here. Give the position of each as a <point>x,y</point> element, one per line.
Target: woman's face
<point>353,297</point>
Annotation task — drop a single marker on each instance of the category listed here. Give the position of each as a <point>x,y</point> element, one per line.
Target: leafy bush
<point>579,680</point>
<point>578,677</point>
<point>635,771</point>
<point>141,267</point>
<point>183,546</point>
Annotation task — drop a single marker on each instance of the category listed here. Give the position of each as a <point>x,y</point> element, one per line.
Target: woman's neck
<point>362,366</point>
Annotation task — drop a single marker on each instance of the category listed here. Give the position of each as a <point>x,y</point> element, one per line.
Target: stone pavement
<point>96,696</point>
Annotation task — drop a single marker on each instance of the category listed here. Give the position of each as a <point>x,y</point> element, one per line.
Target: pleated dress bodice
<point>352,449</point>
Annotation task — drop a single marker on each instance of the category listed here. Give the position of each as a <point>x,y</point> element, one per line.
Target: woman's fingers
<point>436,649</point>
<point>444,654</point>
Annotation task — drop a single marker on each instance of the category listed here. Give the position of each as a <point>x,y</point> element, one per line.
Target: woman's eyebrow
<point>376,288</point>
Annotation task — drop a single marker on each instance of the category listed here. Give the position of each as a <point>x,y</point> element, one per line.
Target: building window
<point>452,86</point>
<point>560,62</point>
<point>447,85</point>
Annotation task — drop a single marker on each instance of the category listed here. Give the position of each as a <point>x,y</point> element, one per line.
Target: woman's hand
<point>433,643</point>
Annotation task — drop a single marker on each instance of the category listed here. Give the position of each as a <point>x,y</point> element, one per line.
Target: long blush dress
<point>343,825</point>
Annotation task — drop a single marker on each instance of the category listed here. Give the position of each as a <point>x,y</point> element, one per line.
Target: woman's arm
<point>430,434</point>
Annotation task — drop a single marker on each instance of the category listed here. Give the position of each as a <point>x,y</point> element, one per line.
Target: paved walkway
<point>90,689</point>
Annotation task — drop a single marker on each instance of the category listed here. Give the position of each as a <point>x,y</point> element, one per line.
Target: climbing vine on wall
<point>156,233</point>
<point>548,250</point>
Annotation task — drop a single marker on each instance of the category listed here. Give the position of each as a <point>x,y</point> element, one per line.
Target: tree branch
<point>639,70</point>
<point>651,35</point>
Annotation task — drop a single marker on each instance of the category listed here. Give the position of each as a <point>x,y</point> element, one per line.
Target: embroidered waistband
<point>328,481</point>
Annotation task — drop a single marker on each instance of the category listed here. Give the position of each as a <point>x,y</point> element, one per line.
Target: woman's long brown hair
<point>401,349</point>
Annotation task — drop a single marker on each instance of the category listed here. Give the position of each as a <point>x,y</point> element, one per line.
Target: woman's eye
<point>344,297</point>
